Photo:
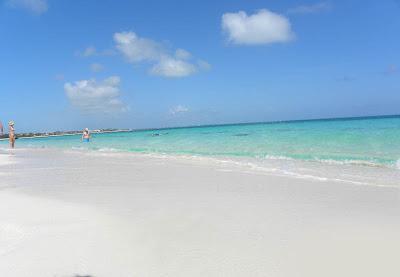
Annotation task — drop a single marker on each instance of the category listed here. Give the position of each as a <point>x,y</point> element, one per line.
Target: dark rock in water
<point>155,135</point>
<point>241,135</point>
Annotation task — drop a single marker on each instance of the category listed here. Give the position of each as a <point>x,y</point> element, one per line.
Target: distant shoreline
<point>67,134</point>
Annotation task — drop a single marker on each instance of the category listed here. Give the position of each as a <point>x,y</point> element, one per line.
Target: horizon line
<point>230,124</point>
<point>269,122</point>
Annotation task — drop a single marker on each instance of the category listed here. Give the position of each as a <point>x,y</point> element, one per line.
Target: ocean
<point>370,142</point>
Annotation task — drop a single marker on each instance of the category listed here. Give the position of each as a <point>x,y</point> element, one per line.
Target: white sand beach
<point>65,213</point>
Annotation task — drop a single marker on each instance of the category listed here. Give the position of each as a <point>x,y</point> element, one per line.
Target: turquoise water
<point>369,141</point>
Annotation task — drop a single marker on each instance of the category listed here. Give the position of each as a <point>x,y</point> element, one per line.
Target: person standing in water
<point>86,135</point>
<point>11,133</point>
<point>1,128</point>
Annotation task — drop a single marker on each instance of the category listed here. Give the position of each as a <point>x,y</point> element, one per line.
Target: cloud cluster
<point>163,63</point>
<point>172,67</point>
<point>178,110</point>
<point>34,6</point>
<point>93,97</point>
<point>262,27</point>
<point>137,49</point>
<point>313,8</point>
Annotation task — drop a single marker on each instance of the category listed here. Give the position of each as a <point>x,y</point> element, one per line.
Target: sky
<point>145,64</point>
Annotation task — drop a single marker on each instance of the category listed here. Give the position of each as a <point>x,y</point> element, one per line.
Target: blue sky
<point>133,64</point>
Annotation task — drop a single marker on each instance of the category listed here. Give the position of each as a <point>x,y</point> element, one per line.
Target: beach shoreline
<point>77,133</point>
<point>348,172</point>
<point>65,213</point>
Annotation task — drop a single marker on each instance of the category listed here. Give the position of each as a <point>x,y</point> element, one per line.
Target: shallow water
<point>367,141</point>
<point>361,151</point>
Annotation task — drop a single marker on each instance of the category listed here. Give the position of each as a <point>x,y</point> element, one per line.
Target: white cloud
<point>96,67</point>
<point>163,62</point>
<point>35,6</point>
<point>92,51</point>
<point>170,67</point>
<point>182,54</point>
<point>262,27</point>
<point>178,110</point>
<point>137,49</point>
<point>93,97</point>
<point>313,8</point>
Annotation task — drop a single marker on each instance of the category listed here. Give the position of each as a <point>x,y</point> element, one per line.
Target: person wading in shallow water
<point>86,135</point>
<point>11,133</point>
